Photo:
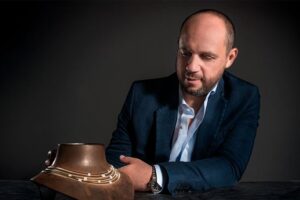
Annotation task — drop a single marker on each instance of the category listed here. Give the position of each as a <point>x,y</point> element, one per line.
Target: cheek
<point>180,65</point>
<point>211,72</point>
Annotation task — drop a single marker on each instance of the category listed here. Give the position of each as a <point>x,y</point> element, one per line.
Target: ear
<point>231,57</point>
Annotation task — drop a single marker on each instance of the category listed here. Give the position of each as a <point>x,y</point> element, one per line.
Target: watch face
<point>155,187</point>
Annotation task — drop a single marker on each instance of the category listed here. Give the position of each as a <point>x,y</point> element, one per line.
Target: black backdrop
<point>66,68</point>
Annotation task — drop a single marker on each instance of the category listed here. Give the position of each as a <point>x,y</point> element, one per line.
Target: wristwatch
<point>152,184</point>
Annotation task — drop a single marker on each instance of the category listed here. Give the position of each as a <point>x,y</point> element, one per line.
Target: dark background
<point>66,67</point>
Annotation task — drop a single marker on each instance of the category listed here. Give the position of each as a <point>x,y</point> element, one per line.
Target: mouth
<point>189,78</point>
<point>192,82</point>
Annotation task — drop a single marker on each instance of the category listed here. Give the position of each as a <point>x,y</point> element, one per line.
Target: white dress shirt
<point>184,134</point>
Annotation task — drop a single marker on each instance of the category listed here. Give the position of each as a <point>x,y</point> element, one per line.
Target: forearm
<point>199,175</point>
<point>222,168</point>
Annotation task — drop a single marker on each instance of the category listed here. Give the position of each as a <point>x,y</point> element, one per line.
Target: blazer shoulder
<point>157,85</point>
<point>235,84</point>
<point>156,81</point>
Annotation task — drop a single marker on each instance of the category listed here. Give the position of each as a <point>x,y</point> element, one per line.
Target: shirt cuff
<point>159,176</point>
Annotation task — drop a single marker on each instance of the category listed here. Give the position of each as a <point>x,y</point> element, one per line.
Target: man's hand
<point>138,171</point>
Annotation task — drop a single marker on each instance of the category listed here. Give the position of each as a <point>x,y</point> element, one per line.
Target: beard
<point>201,91</point>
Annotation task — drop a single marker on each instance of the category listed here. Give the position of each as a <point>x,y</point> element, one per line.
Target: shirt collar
<point>183,102</point>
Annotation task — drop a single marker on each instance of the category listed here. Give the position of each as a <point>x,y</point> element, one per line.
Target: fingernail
<point>122,156</point>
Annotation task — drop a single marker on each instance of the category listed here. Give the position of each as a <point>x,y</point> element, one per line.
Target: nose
<point>193,64</point>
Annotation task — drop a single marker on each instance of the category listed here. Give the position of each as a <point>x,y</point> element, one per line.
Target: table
<point>242,191</point>
<point>26,190</point>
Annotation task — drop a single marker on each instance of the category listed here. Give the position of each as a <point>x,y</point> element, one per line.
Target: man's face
<point>202,54</point>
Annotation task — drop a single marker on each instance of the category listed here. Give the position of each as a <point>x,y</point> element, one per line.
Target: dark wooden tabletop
<point>244,190</point>
<point>24,190</point>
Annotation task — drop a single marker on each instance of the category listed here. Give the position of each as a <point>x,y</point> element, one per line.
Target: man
<point>194,131</point>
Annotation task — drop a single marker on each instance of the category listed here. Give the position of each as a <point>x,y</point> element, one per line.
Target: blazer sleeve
<point>121,143</point>
<point>226,165</point>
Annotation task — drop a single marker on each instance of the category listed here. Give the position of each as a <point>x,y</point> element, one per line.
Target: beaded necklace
<point>108,177</point>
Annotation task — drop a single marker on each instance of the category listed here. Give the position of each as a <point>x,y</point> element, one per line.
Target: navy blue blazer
<point>224,140</point>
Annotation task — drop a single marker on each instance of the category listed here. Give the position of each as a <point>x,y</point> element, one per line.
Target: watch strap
<point>153,185</point>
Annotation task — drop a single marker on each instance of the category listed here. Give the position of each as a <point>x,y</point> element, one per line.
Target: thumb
<point>126,159</point>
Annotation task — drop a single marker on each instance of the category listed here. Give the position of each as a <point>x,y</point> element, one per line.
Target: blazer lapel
<point>165,124</point>
<point>165,119</point>
<point>212,121</point>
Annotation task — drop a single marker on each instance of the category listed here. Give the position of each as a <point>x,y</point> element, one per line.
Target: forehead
<point>204,30</point>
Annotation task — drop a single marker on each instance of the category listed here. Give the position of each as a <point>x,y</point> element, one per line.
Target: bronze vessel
<point>82,172</point>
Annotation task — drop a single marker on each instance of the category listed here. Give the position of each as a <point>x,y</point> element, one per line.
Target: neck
<point>193,101</point>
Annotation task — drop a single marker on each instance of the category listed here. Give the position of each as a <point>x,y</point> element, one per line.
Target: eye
<point>207,57</point>
<point>185,53</point>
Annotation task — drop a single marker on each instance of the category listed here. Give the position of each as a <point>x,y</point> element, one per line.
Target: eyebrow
<point>200,53</point>
<point>209,53</point>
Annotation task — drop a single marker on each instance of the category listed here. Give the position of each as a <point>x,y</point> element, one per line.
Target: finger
<point>122,169</point>
<point>126,159</point>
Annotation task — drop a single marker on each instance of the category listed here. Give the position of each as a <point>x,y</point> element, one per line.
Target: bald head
<point>210,19</point>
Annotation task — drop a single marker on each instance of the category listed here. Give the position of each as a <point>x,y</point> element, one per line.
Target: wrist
<point>152,185</point>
